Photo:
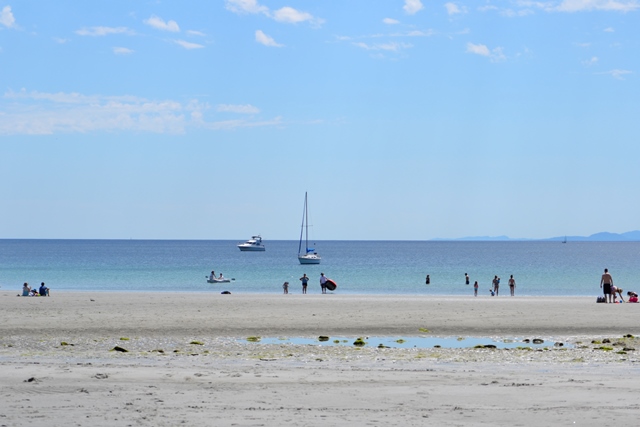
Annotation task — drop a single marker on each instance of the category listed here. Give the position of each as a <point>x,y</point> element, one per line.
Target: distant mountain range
<point>629,236</point>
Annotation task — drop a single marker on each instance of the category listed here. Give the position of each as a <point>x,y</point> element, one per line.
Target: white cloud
<point>122,51</point>
<point>495,54</point>
<point>392,46</point>
<point>454,9</point>
<point>188,45</point>
<point>40,113</point>
<point>103,31</point>
<point>195,33</point>
<point>240,109</point>
<point>264,39</point>
<point>6,17</point>
<point>609,30</point>
<point>412,7</point>
<point>606,5</point>
<point>245,6</point>
<point>159,24</point>
<point>617,74</point>
<point>285,14</point>
<point>591,61</point>
<point>390,21</point>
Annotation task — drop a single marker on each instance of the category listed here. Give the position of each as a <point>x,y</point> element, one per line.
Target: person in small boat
<point>212,276</point>
<point>26,290</point>
<point>221,277</point>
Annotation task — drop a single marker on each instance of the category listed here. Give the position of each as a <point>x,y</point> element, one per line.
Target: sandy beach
<point>188,361</point>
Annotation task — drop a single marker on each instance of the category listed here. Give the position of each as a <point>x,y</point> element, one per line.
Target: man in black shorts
<point>606,283</point>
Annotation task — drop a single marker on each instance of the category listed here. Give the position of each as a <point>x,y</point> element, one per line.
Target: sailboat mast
<point>306,223</point>
<point>304,213</point>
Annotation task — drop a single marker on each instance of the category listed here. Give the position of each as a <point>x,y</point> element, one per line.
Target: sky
<point>402,119</point>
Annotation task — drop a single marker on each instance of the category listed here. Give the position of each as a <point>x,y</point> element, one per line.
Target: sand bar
<point>188,361</point>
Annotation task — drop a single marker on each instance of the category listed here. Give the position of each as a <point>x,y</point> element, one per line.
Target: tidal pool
<point>418,342</point>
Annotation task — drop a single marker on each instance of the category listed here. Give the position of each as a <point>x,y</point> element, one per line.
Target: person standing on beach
<point>606,282</point>
<point>285,287</point>
<point>304,279</point>
<point>466,279</point>
<point>323,283</point>
<point>496,284</point>
<point>427,281</point>
<point>512,284</point>
<point>475,289</point>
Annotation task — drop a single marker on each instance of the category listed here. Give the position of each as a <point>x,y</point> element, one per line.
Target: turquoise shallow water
<point>359,267</point>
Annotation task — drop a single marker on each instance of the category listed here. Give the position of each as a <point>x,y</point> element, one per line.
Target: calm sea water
<point>359,267</point>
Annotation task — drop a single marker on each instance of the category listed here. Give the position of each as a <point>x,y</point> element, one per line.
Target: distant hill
<point>604,236</point>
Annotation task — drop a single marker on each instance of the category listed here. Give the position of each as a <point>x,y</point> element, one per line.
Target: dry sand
<point>188,361</point>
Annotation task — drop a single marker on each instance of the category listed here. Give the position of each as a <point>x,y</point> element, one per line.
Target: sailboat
<point>309,256</point>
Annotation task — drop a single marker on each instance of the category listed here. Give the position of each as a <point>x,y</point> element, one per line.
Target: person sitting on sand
<point>633,297</point>
<point>34,292</point>
<point>26,290</point>
<point>44,291</point>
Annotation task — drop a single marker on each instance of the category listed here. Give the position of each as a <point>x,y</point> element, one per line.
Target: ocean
<point>359,267</point>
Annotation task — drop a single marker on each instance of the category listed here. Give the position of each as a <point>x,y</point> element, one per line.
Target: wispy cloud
<point>412,7</point>
<point>390,21</point>
<point>104,31</point>
<point>495,54</point>
<point>159,24</point>
<point>285,14</point>
<point>188,45</point>
<point>240,109</point>
<point>195,33</point>
<point>617,74</point>
<point>264,39</point>
<point>245,6</point>
<point>41,113</point>
<point>591,61</point>
<point>122,51</point>
<point>454,9</point>
<point>6,17</point>
<point>392,46</point>
<point>605,5</point>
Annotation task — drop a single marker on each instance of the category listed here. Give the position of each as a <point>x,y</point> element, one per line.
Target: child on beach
<point>475,289</point>
<point>285,287</point>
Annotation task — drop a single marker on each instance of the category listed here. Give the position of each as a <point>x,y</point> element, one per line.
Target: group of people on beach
<point>43,291</point>
<point>611,292</point>
<point>305,281</point>
<point>495,284</point>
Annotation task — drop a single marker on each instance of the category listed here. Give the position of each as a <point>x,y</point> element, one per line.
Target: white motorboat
<point>251,245</point>
<point>309,256</point>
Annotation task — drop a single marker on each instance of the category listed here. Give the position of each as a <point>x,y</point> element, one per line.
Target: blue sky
<point>403,120</point>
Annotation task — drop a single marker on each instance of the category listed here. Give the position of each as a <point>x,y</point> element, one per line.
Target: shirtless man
<point>605,283</point>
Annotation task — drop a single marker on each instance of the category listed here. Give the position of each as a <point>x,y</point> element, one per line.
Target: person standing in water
<point>427,281</point>
<point>304,279</point>
<point>475,289</point>
<point>466,279</point>
<point>512,285</point>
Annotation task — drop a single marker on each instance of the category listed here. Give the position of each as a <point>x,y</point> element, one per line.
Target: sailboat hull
<point>309,259</point>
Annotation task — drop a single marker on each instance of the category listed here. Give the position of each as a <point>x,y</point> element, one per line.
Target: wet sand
<point>188,361</point>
